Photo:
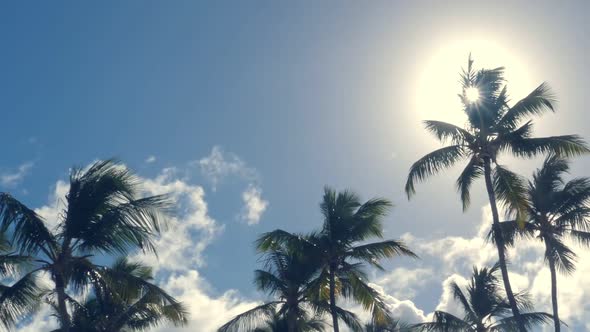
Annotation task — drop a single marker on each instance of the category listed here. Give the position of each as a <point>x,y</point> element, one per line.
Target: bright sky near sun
<point>246,110</point>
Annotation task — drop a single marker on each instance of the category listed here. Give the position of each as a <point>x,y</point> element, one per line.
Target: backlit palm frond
<point>431,164</point>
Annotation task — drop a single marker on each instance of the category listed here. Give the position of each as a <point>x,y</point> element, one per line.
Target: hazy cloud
<point>13,178</point>
<point>220,164</point>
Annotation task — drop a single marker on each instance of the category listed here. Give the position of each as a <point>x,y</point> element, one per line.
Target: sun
<point>472,94</point>
<point>438,83</point>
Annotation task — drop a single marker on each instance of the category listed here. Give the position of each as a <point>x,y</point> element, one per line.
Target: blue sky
<point>291,97</point>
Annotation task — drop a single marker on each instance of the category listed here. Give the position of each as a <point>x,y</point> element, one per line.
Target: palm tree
<point>278,323</point>
<point>131,302</point>
<point>105,215</point>
<point>556,210</point>
<point>21,298</point>
<point>486,308</point>
<point>391,326</point>
<point>492,127</point>
<point>340,244</point>
<point>290,277</point>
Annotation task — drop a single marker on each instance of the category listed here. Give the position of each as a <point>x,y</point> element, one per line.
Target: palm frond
<point>445,132</point>
<point>558,252</point>
<point>19,300</point>
<point>531,320</point>
<point>133,224</point>
<point>470,173</point>
<point>372,252</point>
<point>444,322</point>
<point>30,234</point>
<point>536,103</point>
<point>248,320</point>
<point>510,190</point>
<point>565,145</point>
<point>431,164</point>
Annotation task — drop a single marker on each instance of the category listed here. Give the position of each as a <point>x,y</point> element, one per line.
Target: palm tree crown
<point>493,127</point>
<point>130,303</point>
<point>485,307</point>
<point>289,277</point>
<point>105,214</point>
<point>556,210</point>
<point>341,246</point>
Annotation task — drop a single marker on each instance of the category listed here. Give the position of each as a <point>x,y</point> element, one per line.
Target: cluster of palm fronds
<point>307,273</point>
<point>311,278</point>
<point>547,208</point>
<point>105,215</point>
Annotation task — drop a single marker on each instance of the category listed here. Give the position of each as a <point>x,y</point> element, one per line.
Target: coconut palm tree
<point>131,302</point>
<point>291,278</point>
<point>21,298</point>
<point>492,127</point>
<point>556,210</point>
<point>485,306</point>
<point>341,246</point>
<point>278,323</point>
<point>105,214</point>
<point>391,326</point>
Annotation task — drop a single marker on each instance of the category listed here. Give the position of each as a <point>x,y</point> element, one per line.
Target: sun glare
<point>472,94</point>
<point>438,78</point>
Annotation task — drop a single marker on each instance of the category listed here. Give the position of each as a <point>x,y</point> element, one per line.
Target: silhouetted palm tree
<point>278,323</point>
<point>290,277</point>
<point>556,210</point>
<point>390,326</point>
<point>485,306</point>
<point>105,215</point>
<point>493,127</point>
<point>340,245</point>
<point>22,297</point>
<point>131,302</point>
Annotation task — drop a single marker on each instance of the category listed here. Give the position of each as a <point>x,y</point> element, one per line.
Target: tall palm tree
<point>485,306</point>
<point>290,277</point>
<point>341,246</point>
<point>105,214</point>
<point>492,127</point>
<point>21,298</point>
<point>131,302</point>
<point>278,323</point>
<point>556,210</point>
<point>390,326</point>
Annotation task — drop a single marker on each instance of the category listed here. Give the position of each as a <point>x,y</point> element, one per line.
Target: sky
<point>244,111</point>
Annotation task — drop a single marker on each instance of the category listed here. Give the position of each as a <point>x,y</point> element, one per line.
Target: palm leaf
<point>431,164</point>
<point>250,319</point>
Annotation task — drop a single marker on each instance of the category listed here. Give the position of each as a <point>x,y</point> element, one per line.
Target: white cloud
<point>453,256</point>
<point>181,246</point>
<point>404,282</point>
<point>11,179</point>
<point>220,164</point>
<point>254,205</point>
<point>51,212</point>
<point>150,159</point>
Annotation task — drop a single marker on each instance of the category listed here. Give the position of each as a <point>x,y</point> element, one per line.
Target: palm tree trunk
<point>291,321</point>
<point>500,245</point>
<point>333,298</point>
<point>62,308</point>
<point>556,322</point>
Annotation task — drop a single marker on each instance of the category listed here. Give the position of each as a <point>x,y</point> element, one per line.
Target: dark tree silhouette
<point>556,210</point>
<point>485,306</point>
<point>493,127</point>
<point>342,248</point>
<point>130,303</point>
<point>290,277</point>
<point>104,215</point>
